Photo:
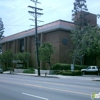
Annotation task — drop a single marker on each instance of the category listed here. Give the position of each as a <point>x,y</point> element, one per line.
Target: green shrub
<point>68,72</point>
<point>79,67</point>
<point>60,66</point>
<point>77,73</point>
<point>30,71</point>
<point>58,72</point>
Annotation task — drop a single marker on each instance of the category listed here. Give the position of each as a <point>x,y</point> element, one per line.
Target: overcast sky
<point>15,16</point>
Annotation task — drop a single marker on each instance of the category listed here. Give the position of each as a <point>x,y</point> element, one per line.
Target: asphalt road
<point>18,87</point>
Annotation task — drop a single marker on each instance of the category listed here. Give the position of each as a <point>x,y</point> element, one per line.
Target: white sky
<point>15,16</point>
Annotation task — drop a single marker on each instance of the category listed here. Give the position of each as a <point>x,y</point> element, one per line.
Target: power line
<point>24,14</point>
<point>17,25</point>
<point>23,10</point>
<point>18,12</point>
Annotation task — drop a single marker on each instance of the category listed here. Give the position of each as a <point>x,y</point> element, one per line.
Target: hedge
<point>69,73</point>
<point>60,66</point>
<point>30,71</point>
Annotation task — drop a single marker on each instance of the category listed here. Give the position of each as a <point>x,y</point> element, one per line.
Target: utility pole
<point>35,13</point>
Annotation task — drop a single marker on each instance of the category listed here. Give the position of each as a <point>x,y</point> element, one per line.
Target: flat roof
<point>59,24</point>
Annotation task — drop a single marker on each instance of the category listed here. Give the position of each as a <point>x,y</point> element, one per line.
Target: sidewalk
<point>84,77</point>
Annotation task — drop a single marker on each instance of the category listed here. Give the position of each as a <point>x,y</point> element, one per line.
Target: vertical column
<point>17,46</point>
<point>25,44</point>
<point>6,46</point>
<point>14,46</point>
<point>28,44</point>
<point>41,41</point>
<point>40,45</point>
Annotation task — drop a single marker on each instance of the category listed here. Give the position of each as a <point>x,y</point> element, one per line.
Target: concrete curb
<point>90,77</point>
<point>35,75</point>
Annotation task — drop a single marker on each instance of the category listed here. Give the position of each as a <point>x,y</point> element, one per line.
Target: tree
<point>24,57</point>
<point>77,51</point>
<point>79,13</point>
<point>79,18</point>
<point>45,53</point>
<point>7,59</point>
<point>98,15</point>
<point>1,29</point>
<point>1,32</point>
<point>91,41</point>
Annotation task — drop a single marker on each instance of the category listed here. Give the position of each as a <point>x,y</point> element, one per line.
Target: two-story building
<point>57,33</point>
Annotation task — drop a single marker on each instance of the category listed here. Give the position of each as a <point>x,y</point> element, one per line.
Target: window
<point>89,67</point>
<point>22,45</point>
<point>93,67</point>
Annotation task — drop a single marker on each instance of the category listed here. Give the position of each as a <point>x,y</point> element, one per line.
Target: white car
<point>1,70</point>
<point>91,70</point>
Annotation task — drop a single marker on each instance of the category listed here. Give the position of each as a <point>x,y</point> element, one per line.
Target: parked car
<point>1,70</point>
<point>91,70</point>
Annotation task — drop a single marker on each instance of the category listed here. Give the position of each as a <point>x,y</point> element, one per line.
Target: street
<point>19,87</point>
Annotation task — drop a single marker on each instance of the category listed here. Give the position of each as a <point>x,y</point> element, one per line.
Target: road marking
<point>38,86</point>
<point>35,96</point>
<point>92,88</point>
